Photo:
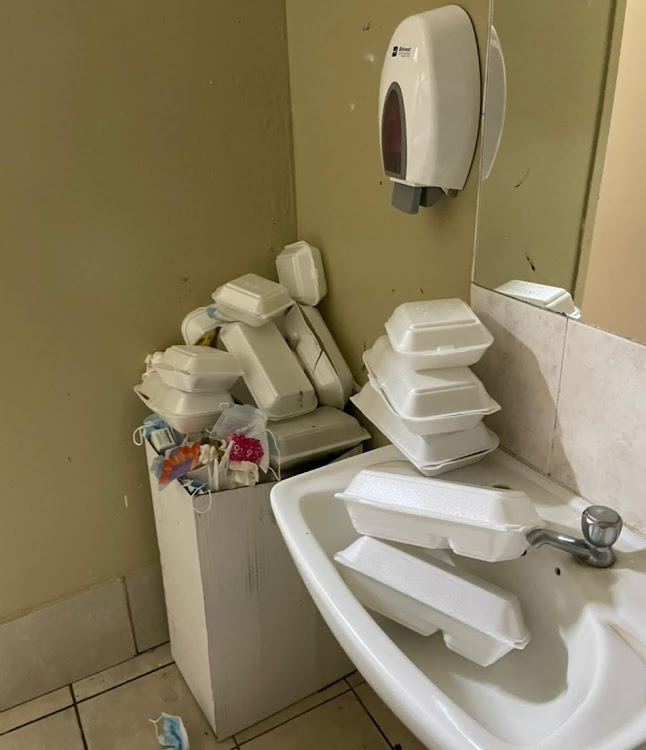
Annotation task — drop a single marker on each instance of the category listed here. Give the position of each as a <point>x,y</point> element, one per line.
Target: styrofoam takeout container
<point>393,502</point>
<point>437,424</point>
<point>437,334</point>
<point>432,455</point>
<point>323,431</point>
<point>430,401</point>
<point>185,412</point>
<point>329,389</point>
<point>251,299</point>
<point>478,620</point>
<point>300,271</point>
<point>273,375</point>
<point>199,328</point>
<point>198,369</point>
<point>541,295</point>
<point>328,345</point>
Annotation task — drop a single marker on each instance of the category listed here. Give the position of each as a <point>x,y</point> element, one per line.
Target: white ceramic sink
<point>580,684</point>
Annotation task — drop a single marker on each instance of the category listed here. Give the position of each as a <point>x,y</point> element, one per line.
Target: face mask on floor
<point>172,735</point>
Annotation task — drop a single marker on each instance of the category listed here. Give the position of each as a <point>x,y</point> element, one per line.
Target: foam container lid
<point>198,369</point>
<point>198,327</point>
<point>324,430</point>
<point>330,391</point>
<point>478,619</point>
<point>428,453</point>
<point>423,394</point>
<point>485,507</point>
<point>161,397</point>
<point>252,299</point>
<point>438,333</point>
<point>272,373</point>
<point>392,501</point>
<point>541,295</point>
<point>201,360</point>
<point>300,271</point>
<point>436,424</point>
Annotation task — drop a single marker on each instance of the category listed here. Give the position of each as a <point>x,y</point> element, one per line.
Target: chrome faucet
<point>601,527</point>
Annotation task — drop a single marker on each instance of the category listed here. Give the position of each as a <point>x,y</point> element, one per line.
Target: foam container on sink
<point>276,381</point>
<point>300,271</point>
<point>184,412</point>
<point>432,455</point>
<point>251,299</point>
<point>198,369</point>
<point>437,334</point>
<point>393,502</point>
<point>478,620</point>
<point>432,401</point>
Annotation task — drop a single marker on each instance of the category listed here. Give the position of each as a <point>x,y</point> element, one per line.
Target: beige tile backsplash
<point>573,400</point>
<point>521,370</point>
<point>600,439</point>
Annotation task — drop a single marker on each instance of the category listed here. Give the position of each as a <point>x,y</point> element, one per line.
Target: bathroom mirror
<point>563,203</point>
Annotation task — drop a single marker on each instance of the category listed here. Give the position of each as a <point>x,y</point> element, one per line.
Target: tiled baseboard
<point>81,635</point>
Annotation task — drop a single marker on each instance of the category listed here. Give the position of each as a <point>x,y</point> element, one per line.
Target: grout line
<point>372,718</point>
<point>550,451</point>
<point>118,664</point>
<point>282,723</point>
<point>129,610</point>
<point>78,719</point>
<point>33,721</point>
<point>121,684</point>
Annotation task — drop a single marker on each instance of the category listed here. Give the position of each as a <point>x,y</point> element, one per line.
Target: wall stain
<point>529,169</point>
<point>529,260</point>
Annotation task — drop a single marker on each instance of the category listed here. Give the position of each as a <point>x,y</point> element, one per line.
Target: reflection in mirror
<point>561,221</point>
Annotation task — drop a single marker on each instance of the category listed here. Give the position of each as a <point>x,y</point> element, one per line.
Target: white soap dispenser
<point>429,106</point>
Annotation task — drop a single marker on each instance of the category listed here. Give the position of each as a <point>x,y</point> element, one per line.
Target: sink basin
<point>580,684</point>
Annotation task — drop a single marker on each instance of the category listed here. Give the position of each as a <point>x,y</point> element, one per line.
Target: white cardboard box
<point>244,632</point>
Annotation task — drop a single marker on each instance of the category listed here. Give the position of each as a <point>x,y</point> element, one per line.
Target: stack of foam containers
<point>189,385</point>
<point>421,393</point>
<point>424,591</point>
<point>292,369</point>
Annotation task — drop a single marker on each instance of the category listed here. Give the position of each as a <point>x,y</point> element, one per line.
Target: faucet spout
<point>601,528</point>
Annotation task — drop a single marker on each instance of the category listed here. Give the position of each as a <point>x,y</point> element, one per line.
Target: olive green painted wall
<point>614,286</point>
<point>533,205</point>
<point>146,157</point>
<point>375,257</point>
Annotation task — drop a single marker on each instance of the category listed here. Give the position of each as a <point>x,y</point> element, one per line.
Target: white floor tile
<point>57,732</point>
<point>390,725</point>
<point>291,711</point>
<point>35,709</point>
<point>119,718</point>
<point>128,670</point>
<point>339,724</point>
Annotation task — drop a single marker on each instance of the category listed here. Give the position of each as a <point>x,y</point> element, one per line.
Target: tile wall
<point>573,400</point>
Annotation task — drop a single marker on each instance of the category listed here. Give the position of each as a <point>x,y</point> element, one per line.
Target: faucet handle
<point>601,526</point>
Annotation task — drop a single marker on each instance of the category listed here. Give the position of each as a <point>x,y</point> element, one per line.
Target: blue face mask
<point>172,735</point>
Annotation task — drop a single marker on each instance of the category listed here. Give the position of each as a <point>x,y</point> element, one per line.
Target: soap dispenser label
<point>401,51</point>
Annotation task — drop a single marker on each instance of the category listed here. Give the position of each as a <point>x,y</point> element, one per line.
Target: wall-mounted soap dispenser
<point>429,106</point>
